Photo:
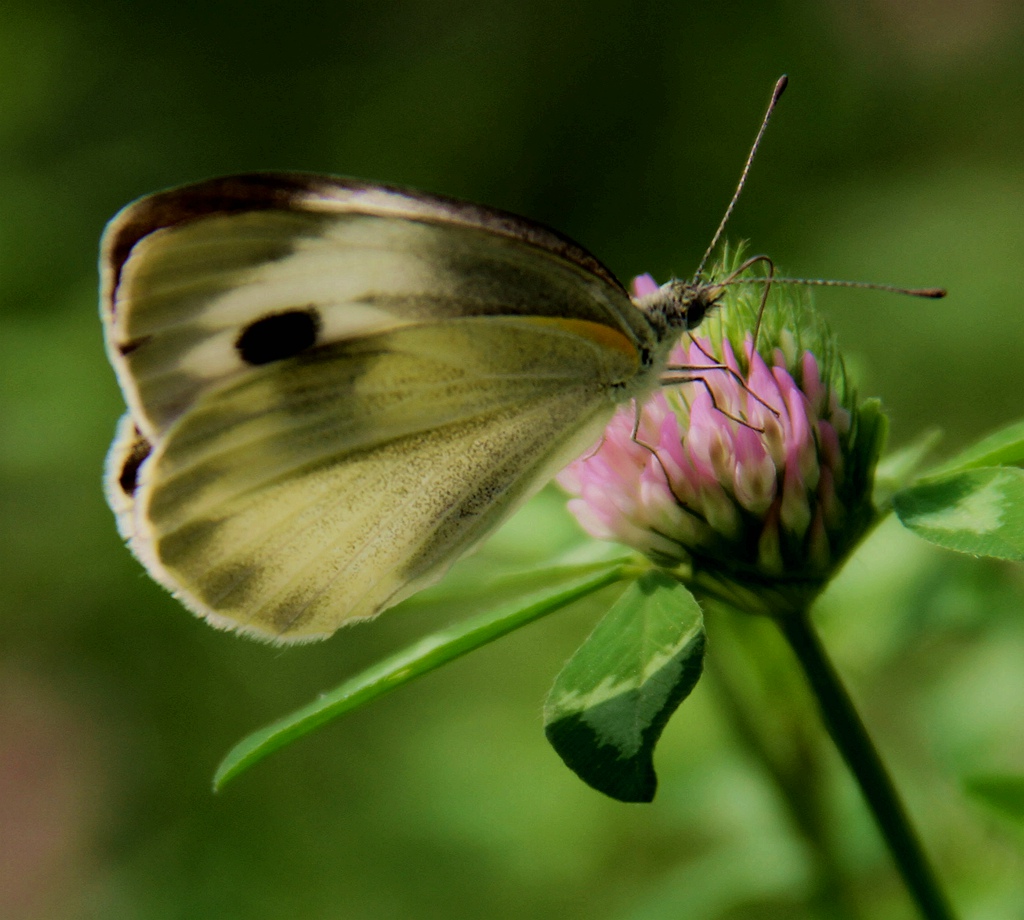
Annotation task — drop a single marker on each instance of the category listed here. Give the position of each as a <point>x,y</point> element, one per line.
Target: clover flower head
<point>751,481</point>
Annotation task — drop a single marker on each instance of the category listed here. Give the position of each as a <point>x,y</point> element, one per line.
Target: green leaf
<point>979,511</point>
<point>1003,792</point>
<point>424,656</point>
<point>480,576</point>
<point>895,470</point>
<point>1001,448</point>
<point>612,699</point>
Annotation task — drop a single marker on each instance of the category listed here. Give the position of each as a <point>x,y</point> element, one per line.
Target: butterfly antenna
<point>780,86</point>
<point>814,282</point>
<point>828,282</point>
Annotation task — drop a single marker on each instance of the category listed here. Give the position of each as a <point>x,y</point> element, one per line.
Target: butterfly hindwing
<point>330,401</point>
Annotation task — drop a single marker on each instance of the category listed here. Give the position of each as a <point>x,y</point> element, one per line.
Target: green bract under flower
<point>753,480</point>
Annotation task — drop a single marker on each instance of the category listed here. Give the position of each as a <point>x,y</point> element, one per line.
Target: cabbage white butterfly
<point>336,388</point>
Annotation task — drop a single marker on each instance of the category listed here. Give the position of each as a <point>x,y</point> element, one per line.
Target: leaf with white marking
<point>979,511</point>
<point>612,699</point>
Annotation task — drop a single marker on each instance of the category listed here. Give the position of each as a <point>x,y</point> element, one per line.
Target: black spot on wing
<point>278,336</point>
<point>126,348</point>
<point>128,477</point>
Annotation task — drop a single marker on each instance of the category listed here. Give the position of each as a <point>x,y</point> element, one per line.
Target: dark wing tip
<point>223,195</point>
<point>288,191</point>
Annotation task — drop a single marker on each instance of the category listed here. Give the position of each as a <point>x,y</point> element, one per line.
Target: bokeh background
<point>897,155</point>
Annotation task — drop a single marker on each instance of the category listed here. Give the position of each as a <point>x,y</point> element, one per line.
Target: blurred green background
<point>897,155</point>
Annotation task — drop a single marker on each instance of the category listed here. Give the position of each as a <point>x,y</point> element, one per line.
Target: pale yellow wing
<point>335,389</point>
<point>334,484</point>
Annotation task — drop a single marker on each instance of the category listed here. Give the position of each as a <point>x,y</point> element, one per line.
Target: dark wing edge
<point>325,193</point>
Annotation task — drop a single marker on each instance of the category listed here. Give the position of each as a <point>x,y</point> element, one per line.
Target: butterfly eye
<point>278,336</point>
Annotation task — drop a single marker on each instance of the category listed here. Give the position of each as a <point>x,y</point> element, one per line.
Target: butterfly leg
<point>653,451</point>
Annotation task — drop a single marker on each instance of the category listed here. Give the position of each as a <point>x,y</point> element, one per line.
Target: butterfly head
<point>677,306</point>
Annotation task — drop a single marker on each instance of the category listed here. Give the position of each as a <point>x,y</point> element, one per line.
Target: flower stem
<point>797,789</point>
<point>851,738</point>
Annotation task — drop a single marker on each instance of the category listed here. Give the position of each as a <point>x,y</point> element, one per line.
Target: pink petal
<point>814,389</point>
<point>754,483</point>
<point>643,285</point>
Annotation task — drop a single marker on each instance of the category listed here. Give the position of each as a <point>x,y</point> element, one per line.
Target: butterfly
<point>337,388</point>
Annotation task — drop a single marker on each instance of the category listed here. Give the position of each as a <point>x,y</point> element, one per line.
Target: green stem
<point>797,790</point>
<point>852,739</point>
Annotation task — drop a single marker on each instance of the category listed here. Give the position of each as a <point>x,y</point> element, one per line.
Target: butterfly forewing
<point>180,295</point>
<point>331,399</point>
